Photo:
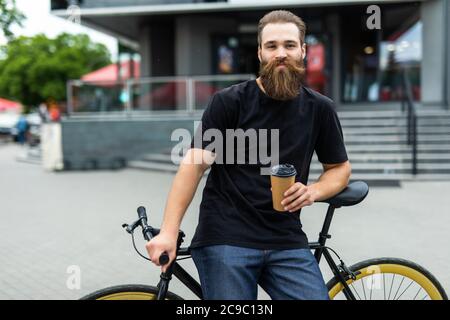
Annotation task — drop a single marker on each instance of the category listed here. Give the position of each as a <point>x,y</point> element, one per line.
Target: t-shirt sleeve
<point>330,147</point>
<point>215,118</point>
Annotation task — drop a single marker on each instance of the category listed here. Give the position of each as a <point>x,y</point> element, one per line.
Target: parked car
<point>8,121</point>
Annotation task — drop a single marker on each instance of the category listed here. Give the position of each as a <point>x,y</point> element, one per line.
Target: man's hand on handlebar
<point>162,243</point>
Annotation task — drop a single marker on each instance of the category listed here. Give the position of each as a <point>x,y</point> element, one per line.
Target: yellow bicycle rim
<point>129,296</point>
<point>402,270</point>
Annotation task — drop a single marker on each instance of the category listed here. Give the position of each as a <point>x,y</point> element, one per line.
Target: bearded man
<point>241,241</point>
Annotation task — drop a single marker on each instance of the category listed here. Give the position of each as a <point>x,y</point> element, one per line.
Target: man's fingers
<point>296,203</point>
<point>301,202</point>
<point>289,199</point>
<point>296,186</point>
<point>291,190</point>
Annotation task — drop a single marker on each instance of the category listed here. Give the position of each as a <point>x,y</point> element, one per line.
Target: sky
<point>39,20</point>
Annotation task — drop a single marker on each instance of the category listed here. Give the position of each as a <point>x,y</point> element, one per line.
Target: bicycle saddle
<point>353,194</point>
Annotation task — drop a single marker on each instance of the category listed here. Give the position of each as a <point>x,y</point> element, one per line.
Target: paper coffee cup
<point>282,178</point>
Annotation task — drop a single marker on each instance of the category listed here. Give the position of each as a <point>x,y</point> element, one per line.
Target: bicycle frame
<point>319,247</point>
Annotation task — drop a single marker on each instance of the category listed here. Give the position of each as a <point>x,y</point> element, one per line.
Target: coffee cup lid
<point>283,170</point>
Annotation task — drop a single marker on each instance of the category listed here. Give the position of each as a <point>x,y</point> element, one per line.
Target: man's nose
<point>281,53</point>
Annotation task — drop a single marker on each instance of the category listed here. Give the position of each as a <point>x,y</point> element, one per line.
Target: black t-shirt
<point>236,208</point>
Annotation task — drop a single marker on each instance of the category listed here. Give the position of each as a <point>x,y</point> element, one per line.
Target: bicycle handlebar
<point>148,235</point>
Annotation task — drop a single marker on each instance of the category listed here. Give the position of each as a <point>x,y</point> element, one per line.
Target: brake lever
<point>131,228</point>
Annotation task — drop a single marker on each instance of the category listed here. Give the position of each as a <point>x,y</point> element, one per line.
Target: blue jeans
<point>233,273</point>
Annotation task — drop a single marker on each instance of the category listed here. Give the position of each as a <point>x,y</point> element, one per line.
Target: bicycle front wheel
<point>389,279</point>
<point>129,292</point>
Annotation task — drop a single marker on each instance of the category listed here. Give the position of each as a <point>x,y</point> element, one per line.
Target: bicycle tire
<point>384,266</point>
<point>129,292</point>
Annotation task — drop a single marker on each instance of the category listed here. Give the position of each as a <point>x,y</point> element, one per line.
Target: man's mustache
<point>291,63</point>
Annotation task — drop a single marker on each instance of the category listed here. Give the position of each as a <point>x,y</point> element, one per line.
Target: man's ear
<point>303,51</point>
<point>259,54</point>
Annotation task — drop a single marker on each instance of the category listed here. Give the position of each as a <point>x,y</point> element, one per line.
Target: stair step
<point>387,177</point>
<point>406,158</point>
<point>316,166</point>
<point>389,166</point>
<point>381,147</point>
<point>373,122</point>
<point>157,157</point>
<point>421,130</point>
<point>401,138</point>
<point>369,114</point>
<point>314,175</point>
<point>399,157</point>
<point>146,165</point>
<point>392,122</point>
<point>395,156</point>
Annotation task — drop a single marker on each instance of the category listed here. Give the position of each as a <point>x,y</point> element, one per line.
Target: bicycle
<point>375,274</point>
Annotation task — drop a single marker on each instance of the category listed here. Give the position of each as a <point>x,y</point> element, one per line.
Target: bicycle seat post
<point>323,235</point>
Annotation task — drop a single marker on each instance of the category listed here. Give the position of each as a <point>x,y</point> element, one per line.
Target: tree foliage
<point>9,15</point>
<point>36,69</point>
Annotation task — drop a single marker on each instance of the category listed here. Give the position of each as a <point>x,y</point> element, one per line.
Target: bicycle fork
<point>338,274</point>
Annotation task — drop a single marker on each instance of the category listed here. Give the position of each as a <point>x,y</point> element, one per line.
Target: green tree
<point>36,69</point>
<point>9,15</point>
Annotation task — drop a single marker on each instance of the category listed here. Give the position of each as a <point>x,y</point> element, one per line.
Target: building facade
<point>356,52</point>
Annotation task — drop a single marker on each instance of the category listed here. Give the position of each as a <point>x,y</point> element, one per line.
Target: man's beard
<point>282,83</point>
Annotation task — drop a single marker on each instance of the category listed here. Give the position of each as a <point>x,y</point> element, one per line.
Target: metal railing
<point>155,95</point>
<point>407,104</point>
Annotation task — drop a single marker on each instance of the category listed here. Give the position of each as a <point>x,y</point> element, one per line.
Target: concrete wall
<point>144,51</point>
<point>193,43</point>
<point>157,49</point>
<point>89,144</point>
<point>432,72</point>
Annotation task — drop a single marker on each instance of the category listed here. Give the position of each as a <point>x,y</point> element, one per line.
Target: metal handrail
<point>411,118</point>
<point>129,84</point>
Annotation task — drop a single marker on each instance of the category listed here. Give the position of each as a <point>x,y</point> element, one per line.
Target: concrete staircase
<point>377,146</point>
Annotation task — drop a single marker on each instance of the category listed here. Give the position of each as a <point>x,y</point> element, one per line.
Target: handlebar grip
<point>142,213</point>
<point>163,258</point>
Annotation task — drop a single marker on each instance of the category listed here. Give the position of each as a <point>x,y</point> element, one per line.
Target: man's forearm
<point>180,196</point>
<point>331,182</point>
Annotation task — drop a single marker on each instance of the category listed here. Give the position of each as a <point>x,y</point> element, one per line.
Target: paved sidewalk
<point>52,221</point>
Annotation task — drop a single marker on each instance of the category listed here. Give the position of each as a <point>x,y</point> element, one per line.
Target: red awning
<point>109,73</point>
<point>9,105</point>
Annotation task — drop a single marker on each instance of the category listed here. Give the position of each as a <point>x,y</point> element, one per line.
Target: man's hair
<point>281,16</point>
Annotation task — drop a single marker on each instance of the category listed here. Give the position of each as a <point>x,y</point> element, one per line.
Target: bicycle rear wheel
<point>129,292</point>
<point>389,279</point>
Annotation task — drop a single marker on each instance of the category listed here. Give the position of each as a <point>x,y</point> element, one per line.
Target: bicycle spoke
<point>355,291</point>
<point>405,290</point>
<point>371,288</point>
<point>364,290</point>
<point>392,284</point>
<point>398,288</point>
<point>425,297</point>
<point>384,288</point>
<point>420,289</point>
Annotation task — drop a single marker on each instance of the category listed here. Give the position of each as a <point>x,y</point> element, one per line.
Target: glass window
<point>399,51</point>
<point>373,60</point>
